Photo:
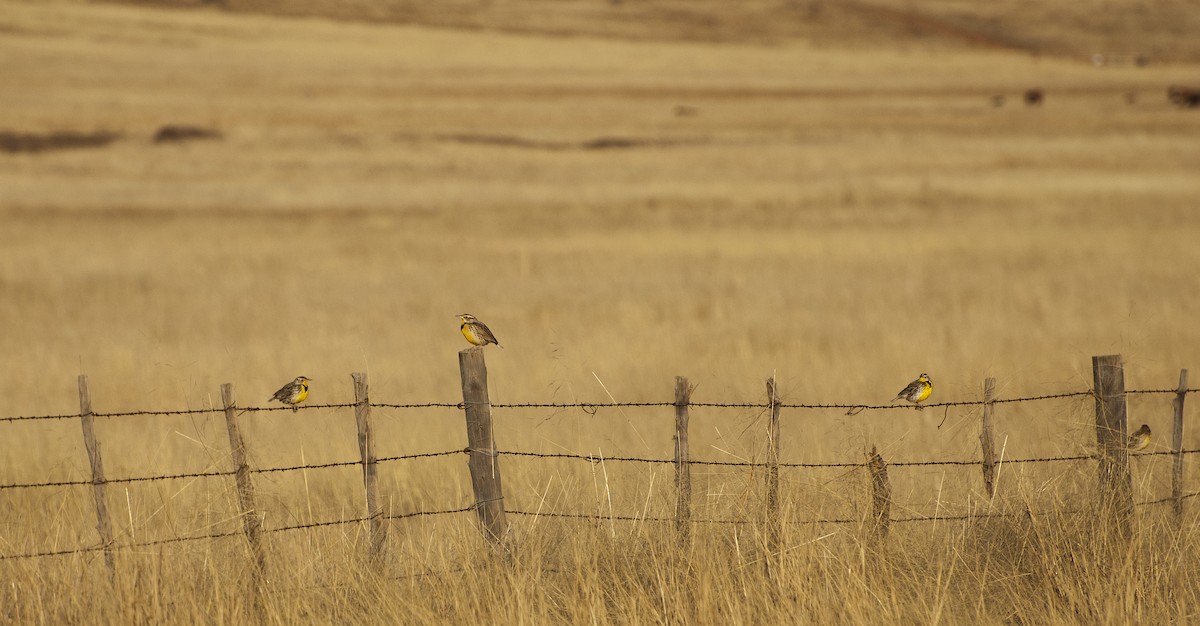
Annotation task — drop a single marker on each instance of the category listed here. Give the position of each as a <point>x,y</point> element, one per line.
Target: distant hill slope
<point>1121,30</point>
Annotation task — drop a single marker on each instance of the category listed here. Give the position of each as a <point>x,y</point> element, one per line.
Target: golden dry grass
<point>845,217</point>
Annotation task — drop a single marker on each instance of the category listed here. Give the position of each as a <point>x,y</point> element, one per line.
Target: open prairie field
<point>725,198</point>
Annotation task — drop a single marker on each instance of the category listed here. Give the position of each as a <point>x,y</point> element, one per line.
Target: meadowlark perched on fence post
<point>1139,440</point>
<point>476,331</point>
<point>292,393</point>
<point>916,391</point>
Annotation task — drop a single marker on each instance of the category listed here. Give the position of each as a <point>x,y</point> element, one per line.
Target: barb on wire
<point>423,455</point>
<point>356,520</point>
<point>421,405</point>
<point>292,468</point>
<point>428,513</point>
<point>299,407</point>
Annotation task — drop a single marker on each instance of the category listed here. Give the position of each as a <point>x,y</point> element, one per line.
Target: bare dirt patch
<point>59,140</point>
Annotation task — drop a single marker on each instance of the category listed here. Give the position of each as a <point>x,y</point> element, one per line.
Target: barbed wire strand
<point>593,517</point>
<point>132,479</point>
<point>901,520</point>
<point>561,455</point>
<point>590,406</point>
<point>208,474</point>
<point>594,458</point>
<point>224,535</point>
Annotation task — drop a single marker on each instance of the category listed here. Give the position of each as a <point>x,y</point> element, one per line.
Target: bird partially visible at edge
<point>293,393</point>
<point>1140,439</point>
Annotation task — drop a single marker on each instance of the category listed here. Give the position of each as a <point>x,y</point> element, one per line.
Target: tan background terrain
<point>624,193</point>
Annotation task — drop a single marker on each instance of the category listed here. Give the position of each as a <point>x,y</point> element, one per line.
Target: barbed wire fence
<point>489,500</point>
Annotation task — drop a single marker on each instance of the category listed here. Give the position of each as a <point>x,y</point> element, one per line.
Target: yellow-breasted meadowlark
<point>476,331</point>
<point>916,391</point>
<point>1140,439</point>
<point>292,393</point>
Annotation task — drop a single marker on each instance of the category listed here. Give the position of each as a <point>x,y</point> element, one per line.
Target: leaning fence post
<point>881,493</point>
<point>103,524</point>
<point>366,450</point>
<point>484,462</point>
<point>1177,447</point>
<point>683,467</point>
<point>251,522</point>
<point>986,438</point>
<point>773,521</point>
<point>1116,484</point>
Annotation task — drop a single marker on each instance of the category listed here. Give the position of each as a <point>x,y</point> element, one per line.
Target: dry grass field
<point>724,197</point>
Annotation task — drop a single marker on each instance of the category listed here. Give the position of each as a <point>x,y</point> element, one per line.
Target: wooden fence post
<point>1116,483</point>
<point>881,493</point>
<point>366,450</point>
<point>773,521</point>
<point>683,467</point>
<point>103,523</point>
<point>484,463</point>
<point>251,521</point>
<point>1177,447</point>
<point>986,439</point>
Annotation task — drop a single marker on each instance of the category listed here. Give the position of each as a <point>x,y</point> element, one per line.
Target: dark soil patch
<point>62,140</point>
<point>180,132</point>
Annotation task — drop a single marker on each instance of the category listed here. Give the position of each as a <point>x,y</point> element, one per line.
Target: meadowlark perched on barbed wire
<point>292,393</point>
<point>476,331</point>
<point>1139,440</point>
<point>916,392</point>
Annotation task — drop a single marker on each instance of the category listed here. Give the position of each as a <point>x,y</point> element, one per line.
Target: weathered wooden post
<point>773,521</point>
<point>1177,447</point>
<point>103,523</point>
<point>986,438</point>
<point>366,450</point>
<point>484,462</point>
<point>881,493</point>
<point>1116,483</point>
<point>251,521</point>
<point>683,467</point>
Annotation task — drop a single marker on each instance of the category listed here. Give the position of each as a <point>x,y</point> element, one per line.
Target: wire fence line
<point>590,408</point>
<point>558,515</point>
<point>586,406</point>
<point>590,458</point>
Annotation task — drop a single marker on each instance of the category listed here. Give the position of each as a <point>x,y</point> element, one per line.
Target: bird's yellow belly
<point>301,395</point>
<point>469,333</point>
<point>925,391</point>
